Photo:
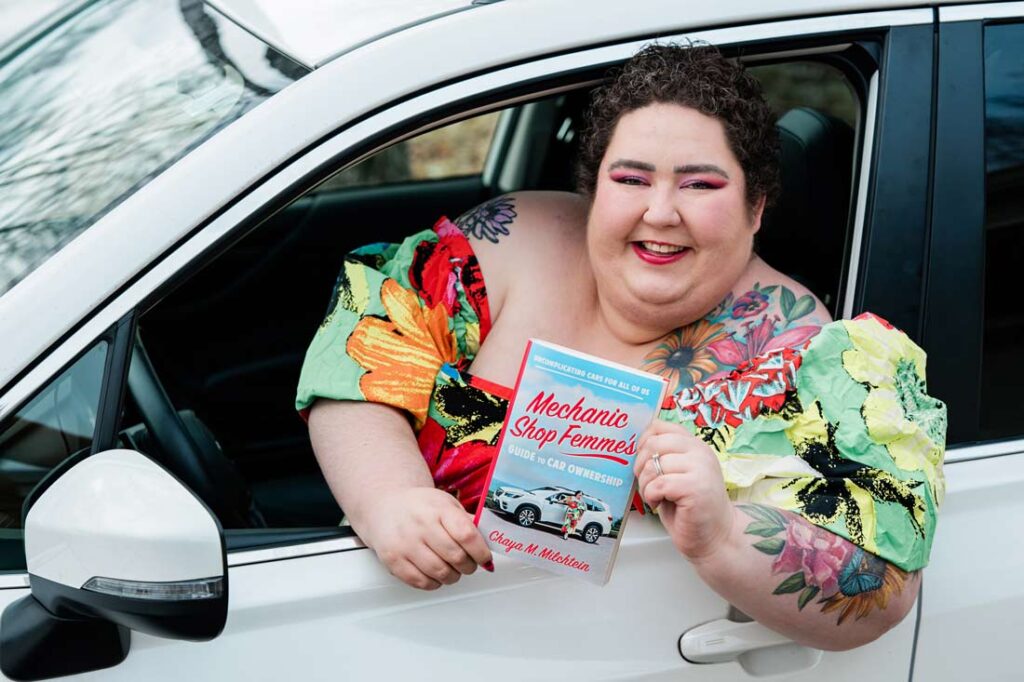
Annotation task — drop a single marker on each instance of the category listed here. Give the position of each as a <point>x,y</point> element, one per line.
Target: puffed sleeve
<point>841,431</point>
<point>399,313</point>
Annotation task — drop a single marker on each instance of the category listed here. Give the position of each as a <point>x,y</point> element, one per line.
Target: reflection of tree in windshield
<point>105,102</point>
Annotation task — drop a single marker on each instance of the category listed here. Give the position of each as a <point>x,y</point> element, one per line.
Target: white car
<point>178,183</point>
<point>547,506</point>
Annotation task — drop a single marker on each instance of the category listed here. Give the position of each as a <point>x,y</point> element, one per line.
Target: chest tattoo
<point>735,331</point>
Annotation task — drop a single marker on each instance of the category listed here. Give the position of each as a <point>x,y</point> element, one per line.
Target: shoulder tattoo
<point>490,220</point>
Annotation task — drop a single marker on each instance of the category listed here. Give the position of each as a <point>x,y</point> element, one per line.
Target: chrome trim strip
<point>785,54</point>
<point>870,123</point>
<point>13,581</point>
<point>995,10</point>
<point>259,556</point>
<point>966,453</point>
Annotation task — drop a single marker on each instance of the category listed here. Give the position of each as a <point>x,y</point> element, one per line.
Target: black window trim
<point>109,404</point>
<point>956,259</point>
<point>890,282</point>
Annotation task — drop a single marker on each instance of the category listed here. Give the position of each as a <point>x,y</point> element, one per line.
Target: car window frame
<point>501,87</point>
<point>109,407</point>
<point>957,256</point>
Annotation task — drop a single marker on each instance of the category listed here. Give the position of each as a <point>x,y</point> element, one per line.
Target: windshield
<point>104,102</point>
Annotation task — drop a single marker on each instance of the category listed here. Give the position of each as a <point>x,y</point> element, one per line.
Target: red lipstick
<point>655,258</point>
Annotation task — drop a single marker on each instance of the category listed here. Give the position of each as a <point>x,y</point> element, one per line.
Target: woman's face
<point>670,231</point>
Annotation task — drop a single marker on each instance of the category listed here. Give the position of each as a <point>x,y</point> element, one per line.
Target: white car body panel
<point>340,615</point>
<point>328,610</point>
<point>973,596</point>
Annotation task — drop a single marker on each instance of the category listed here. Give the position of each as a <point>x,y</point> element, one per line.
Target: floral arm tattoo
<point>490,220</point>
<point>737,330</point>
<point>822,567</point>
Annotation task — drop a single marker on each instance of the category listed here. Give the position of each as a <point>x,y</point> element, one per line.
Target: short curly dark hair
<point>697,76</point>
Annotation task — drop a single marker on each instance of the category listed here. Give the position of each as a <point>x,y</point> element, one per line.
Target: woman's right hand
<point>424,537</point>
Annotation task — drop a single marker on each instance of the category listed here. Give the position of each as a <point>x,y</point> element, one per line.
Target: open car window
<point>231,370</point>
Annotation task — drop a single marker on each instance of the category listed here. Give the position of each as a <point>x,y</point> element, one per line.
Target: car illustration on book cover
<point>547,506</point>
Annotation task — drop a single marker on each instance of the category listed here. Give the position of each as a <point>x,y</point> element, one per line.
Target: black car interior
<point>213,386</point>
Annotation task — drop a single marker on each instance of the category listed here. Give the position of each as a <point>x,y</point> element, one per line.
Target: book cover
<point>560,487</point>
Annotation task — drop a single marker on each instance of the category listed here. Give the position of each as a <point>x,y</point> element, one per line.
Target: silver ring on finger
<point>656,460</point>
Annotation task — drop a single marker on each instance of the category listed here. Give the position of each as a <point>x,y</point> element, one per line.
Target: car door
<point>324,608</point>
<point>973,600</point>
<point>552,509</point>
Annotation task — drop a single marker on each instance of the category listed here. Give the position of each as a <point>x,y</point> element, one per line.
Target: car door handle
<point>723,640</point>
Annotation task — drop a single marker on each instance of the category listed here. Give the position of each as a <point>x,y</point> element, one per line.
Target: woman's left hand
<point>690,493</point>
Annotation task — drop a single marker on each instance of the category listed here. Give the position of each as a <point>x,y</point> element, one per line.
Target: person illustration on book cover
<point>794,448</point>
<point>574,508</point>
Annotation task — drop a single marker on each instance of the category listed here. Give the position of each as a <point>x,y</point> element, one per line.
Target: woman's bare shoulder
<point>518,232</point>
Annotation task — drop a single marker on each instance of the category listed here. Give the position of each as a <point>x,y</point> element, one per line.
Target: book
<point>559,489</point>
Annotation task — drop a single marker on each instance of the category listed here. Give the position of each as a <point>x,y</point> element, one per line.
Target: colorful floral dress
<point>838,429</point>
<point>573,513</point>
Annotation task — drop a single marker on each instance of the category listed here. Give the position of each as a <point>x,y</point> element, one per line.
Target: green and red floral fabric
<point>836,426</point>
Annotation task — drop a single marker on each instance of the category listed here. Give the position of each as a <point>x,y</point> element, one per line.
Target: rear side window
<point>1003,344</point>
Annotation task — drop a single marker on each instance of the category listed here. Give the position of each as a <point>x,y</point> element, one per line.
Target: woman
<point>800,460</point>
<point>573,513</point>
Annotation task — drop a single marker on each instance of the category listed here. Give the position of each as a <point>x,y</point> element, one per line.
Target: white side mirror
<point>115,542</point>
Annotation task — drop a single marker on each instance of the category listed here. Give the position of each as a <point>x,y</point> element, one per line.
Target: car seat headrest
<point>805,233</point>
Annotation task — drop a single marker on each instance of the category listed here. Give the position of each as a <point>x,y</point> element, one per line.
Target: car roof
<point>314,32</point>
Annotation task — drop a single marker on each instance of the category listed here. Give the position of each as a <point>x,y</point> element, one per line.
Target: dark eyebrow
<point>635,165</point>
<point>701,168</point>
<point>678,170</point>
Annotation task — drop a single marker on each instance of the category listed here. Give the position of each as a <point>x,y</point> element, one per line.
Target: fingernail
<point>488,566</point>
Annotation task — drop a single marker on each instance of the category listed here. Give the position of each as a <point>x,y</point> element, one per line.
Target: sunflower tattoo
<point>683,357</point>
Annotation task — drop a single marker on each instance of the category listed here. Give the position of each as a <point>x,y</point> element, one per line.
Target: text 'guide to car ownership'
<point>561,485</point>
